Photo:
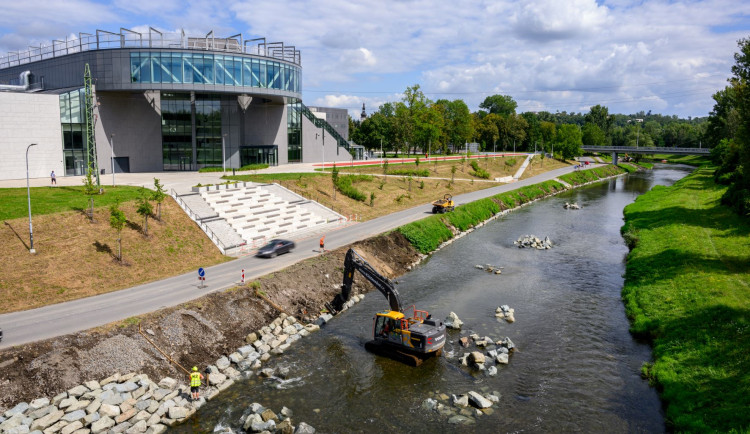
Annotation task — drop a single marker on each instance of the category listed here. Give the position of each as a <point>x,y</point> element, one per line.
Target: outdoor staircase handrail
<point>322,123</point>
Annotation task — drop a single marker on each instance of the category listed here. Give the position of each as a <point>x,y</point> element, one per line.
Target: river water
<point>576,368</point>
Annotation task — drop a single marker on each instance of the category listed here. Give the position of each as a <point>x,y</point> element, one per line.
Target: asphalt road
<point>64,318</point>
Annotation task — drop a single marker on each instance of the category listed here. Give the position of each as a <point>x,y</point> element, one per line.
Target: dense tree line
<point>728,133</point>
<point>418,124</point>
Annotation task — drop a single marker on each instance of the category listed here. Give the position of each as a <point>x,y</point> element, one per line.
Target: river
<point>577,368</point>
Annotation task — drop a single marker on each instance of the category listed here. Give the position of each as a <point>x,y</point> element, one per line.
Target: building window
<point>176,131</point>
<point>72,123</point>
<point>294,130</point>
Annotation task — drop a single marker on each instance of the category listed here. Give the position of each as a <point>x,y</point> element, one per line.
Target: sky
<point>668,57</point>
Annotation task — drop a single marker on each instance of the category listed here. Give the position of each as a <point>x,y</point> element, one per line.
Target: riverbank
<point>687,289</point>
<point>220,321</point>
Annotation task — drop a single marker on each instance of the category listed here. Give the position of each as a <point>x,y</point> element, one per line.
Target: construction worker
<point>322,244</point>
<point>195,382</point>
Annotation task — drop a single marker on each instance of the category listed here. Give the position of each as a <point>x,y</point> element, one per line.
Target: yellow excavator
<point>408,339</point>
<point>443,205</point>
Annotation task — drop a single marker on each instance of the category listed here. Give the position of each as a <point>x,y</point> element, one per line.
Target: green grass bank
<point>50,200</point>
<point>687,289</point>
<point>427,234</point>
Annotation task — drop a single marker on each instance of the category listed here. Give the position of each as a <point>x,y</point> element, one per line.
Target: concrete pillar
<point>614,158</point>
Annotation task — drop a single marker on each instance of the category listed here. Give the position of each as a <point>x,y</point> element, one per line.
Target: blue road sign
<point>201,272</point>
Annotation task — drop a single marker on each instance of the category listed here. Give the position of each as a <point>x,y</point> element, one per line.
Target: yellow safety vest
<point>195,379</point>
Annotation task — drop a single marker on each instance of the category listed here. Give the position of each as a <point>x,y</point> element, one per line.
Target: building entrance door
<point>184,163</point>
<point>79,168</point>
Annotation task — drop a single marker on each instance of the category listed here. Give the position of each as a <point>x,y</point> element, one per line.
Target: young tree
<point>569,141</point>
<point>117,221</point>
<point>145,209</point>
<point>90,189</point>
<point>593,135</point>
<point>158,196</point>
<point>334,179</point>
<point>453,172</point>
<point>385,170</point>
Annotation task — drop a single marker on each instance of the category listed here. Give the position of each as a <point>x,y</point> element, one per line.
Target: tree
<point>458,125</point>
<point>158,196</point>
<point>548,132</point>
<point>499,104</point>
<point>334,179</point>
<point>593,135</point>
<point>145,209</point>
<point>89,189</point>
<point>599,116</point>
<point>486,131</point>
<point>569,141</point>
<point>117,221</point>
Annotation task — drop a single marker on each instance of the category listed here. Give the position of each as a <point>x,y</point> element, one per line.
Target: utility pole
<point>91,161</point>
<point>28,196</point>
<point>112,143</point>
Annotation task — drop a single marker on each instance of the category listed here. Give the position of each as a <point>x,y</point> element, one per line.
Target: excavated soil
<point>195,333</point>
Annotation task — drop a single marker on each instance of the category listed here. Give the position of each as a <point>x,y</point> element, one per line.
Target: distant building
<point>363,116</point>
<point>336,117</point>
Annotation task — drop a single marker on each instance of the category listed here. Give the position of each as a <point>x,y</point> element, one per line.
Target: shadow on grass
<point>701,366</point>
<point>17,235</point>
<point>103,248</point>
<point>674,262</point>
<point>134,226</point>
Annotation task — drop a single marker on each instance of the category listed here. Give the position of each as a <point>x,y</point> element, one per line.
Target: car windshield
<point>271,244</point>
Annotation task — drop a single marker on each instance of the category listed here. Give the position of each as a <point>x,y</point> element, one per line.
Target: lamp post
<point>637,130</point>
<point>28,196</point>
<point>112,144</point>
<point>223,158</point>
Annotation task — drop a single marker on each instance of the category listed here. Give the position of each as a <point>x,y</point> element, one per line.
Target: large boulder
<point>453,322</point>
<point>476,357</point>
<point>478,400</point>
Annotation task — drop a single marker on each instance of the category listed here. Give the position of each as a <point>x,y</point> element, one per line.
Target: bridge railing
<point>648,149</point>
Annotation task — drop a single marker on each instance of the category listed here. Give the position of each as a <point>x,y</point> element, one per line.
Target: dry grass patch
<point>537,166</point>
<point>76,258</point>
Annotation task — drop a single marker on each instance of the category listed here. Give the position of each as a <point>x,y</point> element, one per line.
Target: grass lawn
<point>75,258</point>
<point>687,287</point>
<point>693,160</point>
<point>49,200</point>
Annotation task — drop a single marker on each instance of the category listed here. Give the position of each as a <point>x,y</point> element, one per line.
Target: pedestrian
<point>322,244</point>
<point>195,382</point>
<point>53,178</point>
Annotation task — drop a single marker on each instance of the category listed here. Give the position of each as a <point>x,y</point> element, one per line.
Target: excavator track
<point>391,352</point>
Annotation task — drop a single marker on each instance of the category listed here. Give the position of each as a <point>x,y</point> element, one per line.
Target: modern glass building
<point>167,102</point>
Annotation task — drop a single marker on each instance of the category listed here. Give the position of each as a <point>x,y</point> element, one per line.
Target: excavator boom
<point>354,262</point>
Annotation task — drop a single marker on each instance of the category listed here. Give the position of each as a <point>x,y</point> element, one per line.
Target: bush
<point>210,169</point>
<point>467,216</point>
<point>479,172</point>
<point>254,167</point>
<point>344,185</point>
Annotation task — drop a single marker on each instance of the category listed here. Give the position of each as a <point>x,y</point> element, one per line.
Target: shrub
<point>478,171</point>
<point>254,167</point>
<point>344,185</point>
<point>210,169</point>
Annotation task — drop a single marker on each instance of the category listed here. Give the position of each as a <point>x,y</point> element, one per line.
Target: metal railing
<point>127,38</point>
<point>322,123</point>
<point>648,149</point>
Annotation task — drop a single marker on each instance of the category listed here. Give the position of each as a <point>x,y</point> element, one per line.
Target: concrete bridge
<point>645,150</point>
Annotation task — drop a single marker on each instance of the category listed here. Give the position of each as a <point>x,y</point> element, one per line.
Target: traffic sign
<point>201,272</point>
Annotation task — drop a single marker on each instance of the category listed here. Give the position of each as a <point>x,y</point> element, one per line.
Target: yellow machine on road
<point>443,205</point>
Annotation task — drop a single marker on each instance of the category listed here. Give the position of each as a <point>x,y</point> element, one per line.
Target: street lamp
<point>637,130</point>
<point>112,144</point>
<point>223,158</point>
<point>28,196</point>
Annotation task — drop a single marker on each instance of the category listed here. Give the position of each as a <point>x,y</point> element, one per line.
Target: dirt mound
<point>195,333</point>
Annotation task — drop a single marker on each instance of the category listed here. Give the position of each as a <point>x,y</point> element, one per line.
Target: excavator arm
<point>354,262</point>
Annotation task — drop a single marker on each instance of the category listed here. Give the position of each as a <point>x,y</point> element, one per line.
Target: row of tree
<point>418,124</point>
<point>728,133</point>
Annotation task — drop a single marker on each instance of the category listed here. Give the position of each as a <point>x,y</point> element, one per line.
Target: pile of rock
<point>453,322</point>
<point>489,268</point>
<point>573,205</point>
<point>121,404</point>
<point>505,312</point>
<point>260,419</point>
<point>321,320</point>
<point>497,352</point>
<point>533,242</point>
<point>133,403</point>
<point>462,409</point>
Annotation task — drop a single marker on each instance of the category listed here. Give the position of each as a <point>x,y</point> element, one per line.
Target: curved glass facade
<point>216,69</point>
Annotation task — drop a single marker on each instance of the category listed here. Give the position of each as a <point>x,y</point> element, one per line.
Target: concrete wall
<point>135,121</point>
<point>30,118</point>
<point>265,123</point>
<point>313,146</point>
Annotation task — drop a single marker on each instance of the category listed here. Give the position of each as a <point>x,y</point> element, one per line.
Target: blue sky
<point>665,56</point>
